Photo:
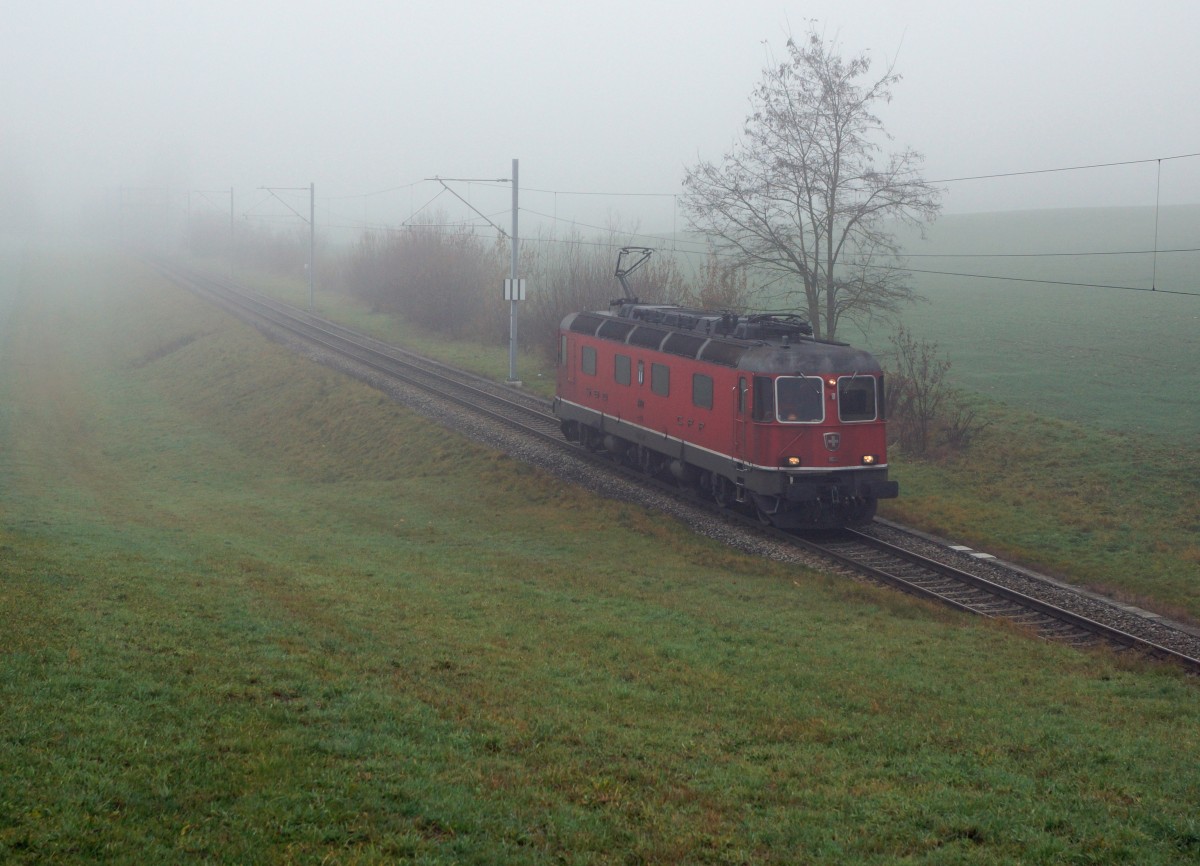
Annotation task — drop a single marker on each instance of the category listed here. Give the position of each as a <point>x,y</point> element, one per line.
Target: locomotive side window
<point>562,351</point>
<point>764,399</point>
<point>588,360</point>
<point>856,398</point>
<point>741,398</point>
<point>622,369</point>
<point>800,399</point>
<point>702,390</point>
<point>660,379</point>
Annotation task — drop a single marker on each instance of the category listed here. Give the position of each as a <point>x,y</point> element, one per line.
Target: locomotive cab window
<point>799,399</point>
<point>702,391</point>
<point>622,369</point>
<point>562,351</point>
<point>764,399</point>
<point>587,360</point>
<point>660,379</point>
<point>856,398</point>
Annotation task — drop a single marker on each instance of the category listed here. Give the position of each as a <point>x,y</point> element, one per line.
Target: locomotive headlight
<point>791,461</point>
<point>869,460</point>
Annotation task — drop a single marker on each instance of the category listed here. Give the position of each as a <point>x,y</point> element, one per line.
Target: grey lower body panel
<point>791,497</point>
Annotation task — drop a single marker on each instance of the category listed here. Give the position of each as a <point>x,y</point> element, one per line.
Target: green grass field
<point>256,613</point>
<point>1086,468</point>
<point>1127,361</point>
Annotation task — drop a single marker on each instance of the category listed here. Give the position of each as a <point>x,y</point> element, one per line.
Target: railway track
<point>526,413</point>
<point>929,578</point>
<point>894,564</point>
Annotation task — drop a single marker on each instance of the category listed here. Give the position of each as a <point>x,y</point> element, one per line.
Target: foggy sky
<point>360,96</point>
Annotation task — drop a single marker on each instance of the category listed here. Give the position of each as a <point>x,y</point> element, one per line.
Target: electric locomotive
<point>752,410</point>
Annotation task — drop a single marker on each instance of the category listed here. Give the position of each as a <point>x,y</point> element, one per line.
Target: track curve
<point>897,565</point>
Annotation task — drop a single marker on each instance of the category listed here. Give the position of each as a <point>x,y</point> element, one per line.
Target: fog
<point>614,99</point>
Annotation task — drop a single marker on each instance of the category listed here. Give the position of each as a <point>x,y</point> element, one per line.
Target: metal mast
<point>512,311</point>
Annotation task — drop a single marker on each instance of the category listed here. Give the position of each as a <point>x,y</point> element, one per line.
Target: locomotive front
<point>816,447</point>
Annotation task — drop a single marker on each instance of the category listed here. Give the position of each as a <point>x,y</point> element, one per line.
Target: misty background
<point>604,104</point>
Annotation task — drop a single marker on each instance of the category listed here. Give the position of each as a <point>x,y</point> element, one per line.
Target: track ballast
<point>1043,607</point>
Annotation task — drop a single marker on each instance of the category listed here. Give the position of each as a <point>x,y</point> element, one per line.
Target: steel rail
<point>446,382</point>
<point>930,570</point>
<point>934,581</point>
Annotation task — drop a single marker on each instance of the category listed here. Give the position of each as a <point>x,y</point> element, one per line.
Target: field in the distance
<point>1120,360</point>
<point>256,613</point>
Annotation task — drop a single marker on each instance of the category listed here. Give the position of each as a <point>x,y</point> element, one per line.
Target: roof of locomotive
<point>757,344</point>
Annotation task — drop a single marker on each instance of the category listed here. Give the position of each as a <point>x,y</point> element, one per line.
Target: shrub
<point>922,408</point>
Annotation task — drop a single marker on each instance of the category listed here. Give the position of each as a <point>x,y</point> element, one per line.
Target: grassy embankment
<point>1069,477</point>
<point>256,613</point>
<point>1090,466</point>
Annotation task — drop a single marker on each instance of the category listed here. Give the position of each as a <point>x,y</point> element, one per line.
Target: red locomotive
<point>750,409</point>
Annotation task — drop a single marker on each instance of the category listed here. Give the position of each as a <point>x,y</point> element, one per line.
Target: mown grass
<point>256,613</point>
<point>1096,501</point>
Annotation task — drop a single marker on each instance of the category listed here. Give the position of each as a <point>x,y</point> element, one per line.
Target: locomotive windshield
<point>799,399</point>
<point>856,398</point>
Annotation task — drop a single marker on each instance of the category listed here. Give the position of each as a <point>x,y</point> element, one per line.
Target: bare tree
<point>806,194</point>
<point>721,285</point>
<point>569,274</point>
<point>577,272</point>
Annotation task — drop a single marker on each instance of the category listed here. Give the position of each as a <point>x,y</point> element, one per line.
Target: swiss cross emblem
<point>833,441</point>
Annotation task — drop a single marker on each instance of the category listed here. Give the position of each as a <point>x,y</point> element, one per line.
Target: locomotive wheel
<point>722,491</point>
<point>649,461</point>
<point>764,516</point>
<point>593,440</point>
<point>861,514</point>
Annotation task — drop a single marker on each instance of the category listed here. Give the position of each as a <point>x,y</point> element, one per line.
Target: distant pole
<point>312,235</point>
<point>512,304</point>
<point>231,234</point>
<point>312,224</point>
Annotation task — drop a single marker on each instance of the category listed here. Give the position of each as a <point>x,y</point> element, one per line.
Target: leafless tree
<point>721,285</point>
<point>576,272</point>
<point>567,274</point>
<point>807,193</point>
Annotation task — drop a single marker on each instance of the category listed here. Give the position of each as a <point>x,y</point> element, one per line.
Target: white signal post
<point>312,239</point>
<point>515,291</point>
